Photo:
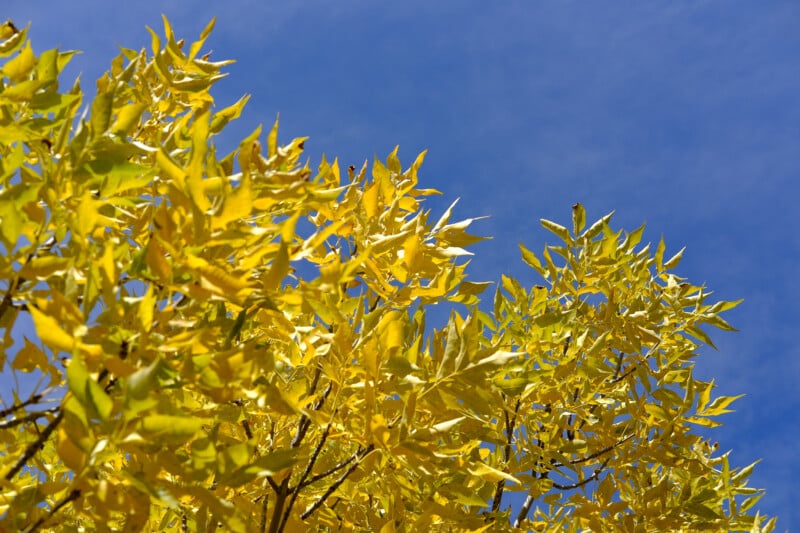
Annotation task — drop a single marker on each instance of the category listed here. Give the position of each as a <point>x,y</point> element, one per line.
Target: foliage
<point>240,342</point>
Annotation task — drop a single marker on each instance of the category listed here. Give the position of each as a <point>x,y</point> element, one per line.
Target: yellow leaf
<point>411,255</point>
<point>371,357</point>
<point>171,170</point>
<point>288,228</point>
<point>157,261</point>
<point>214,278</point>
<point>491,475</point>
<point>146,306</point>
<point>171,426</point>
<point>74,458</point>
<point>196,168</point>
<point>391,330</point>
<point>278,270</point>
<point>237,205</point>
<point>128,118</point>
<point>45,266</point>
<point>18,68</point>
<point>370,200</point>
<point>50,331</point>
<point>88,215</point>
<point>29,358</point>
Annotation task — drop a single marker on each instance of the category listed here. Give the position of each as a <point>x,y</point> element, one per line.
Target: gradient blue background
<point>683,114</point>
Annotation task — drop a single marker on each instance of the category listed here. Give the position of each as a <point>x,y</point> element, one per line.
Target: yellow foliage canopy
<point>208,361</point>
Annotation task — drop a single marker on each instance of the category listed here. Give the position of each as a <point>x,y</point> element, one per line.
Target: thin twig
<point>304,476</point>
<point>264,505</point>
<point>577,484</point>
<point>27,418</point>
<point>280,499</point>
<point>627,373</point>
<point>329,472</point>
<point>510,423</point>
<point>34,398</point>
<point>68,498</point>
<point>34,447</point>
<point>304,423</point>
<point>526,507</point>
<point>308,512</point>
<point>594,455</point>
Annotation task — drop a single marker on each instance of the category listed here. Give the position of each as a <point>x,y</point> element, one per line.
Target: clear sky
<point>681,114</point>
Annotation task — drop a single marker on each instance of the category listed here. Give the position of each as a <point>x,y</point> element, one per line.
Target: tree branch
<point>27,418</point>
<point>577,484</point>
<point>308,512</point>
<point>510,423</point>
<point>34,398</point>
<point>31,450</point>
<point>595,454</point>
<point>280,499</point>
<point>330,471</point>
<point>68,498</point>
<point>305,422</point>
<point>305,474</point>
<point>526,506</point>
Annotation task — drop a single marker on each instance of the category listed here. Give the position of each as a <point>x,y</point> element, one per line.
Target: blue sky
<point>684,115</point>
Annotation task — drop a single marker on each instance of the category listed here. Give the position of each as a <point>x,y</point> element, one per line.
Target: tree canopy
<point>195,340</point>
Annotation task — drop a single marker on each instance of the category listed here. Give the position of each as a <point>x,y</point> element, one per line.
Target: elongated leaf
<point>557,229</point>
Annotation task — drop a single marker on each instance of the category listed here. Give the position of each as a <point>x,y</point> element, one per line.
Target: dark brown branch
<point>308,512</point>
<point>280,500</point>
<point>247,431</point>
<point>577,484</point>
<point>35,398</point>
<point>264,509</point>
<point>600,452</point>
<point>305,474</point>
<point>27,418</point>
<point>526,507</point>
<point>8,298</point>
<point>594,455</point>
<point>272,484</point>
<point>619,366</point>
<point>623,376</point>
<point>305,422</point>
<point>528,503</point>
<point>68,498</point>
<point>510,423</point>
<point>328,472</point>
<point>34,447</point>
<point>374,305</point>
